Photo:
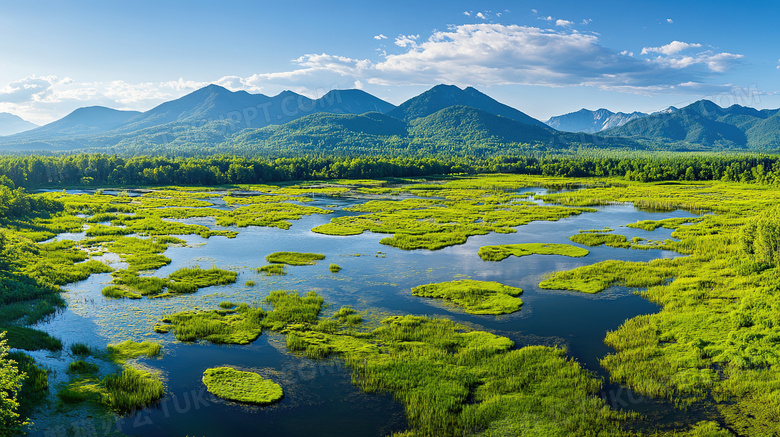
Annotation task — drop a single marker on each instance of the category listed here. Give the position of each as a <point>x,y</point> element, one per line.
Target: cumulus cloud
<point>671,48</point>
<point>380,37</point>
<point>563,23</point>
<point>481,15</point>
<point>480,54</point>
<point>671,56</point>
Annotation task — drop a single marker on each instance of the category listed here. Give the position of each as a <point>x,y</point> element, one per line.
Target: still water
<point>319,397</point>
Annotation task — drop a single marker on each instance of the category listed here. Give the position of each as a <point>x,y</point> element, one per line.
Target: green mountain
<point>445,96</point>
<point>706,124</point>
<point>470,125</point>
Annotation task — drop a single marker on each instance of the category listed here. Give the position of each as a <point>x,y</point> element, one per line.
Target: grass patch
<point>475,297</point>
<point>294,258</point>
<point>130,349</point>
<point>501,252</point>
<point>334,268</point>
<point>594,239</point>
<point>247,387</point>
<point>29,339</point>
<point>82,367</point>
<point>80,349</point>
<point>273,270</point>
<point>600,276</point>
<point>241,325</point>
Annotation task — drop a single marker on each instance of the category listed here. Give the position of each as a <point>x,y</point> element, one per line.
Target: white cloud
<point>671,48</point>
<point>778,62</point>
<point>406,40</point>
<point>587,20</point>
<point>380,37</point>
<point>467,13</point>
<point>669,20</point>
<point>670,55</point>
<point>563,23</point>
<point>480,54</point>
<point>534,11</point>
<point>481,15</point>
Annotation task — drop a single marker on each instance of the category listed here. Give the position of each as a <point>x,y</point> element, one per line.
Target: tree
<point>10,384</point>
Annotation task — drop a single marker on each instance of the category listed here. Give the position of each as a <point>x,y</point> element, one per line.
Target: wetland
<point>484,305</point>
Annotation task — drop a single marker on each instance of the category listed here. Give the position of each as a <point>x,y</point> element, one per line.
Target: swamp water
<point>319,397</point>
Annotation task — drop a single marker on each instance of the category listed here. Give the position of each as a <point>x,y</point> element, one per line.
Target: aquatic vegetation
<point>129,284</point>
<point>593,239</point>
<point>600,276</point>
<point>22,337</point>
<point>501,252</point>
<point>235,385</point>
<point>131,389</point>
<point>348,315</point>
<point>454,381</point>
<point>80,349</point>
<point>122,392</point>
<point>241,325</point>
<point>294,258</point>
<point>475,297</point>
<point>714,339</point>
<point>276,215</point>
<point>671,223</point>
<point>273,269</point>
<point>334,268</point>
<point>82,367</point>
<point>438,223</point>
<point>130,349</point>
<point>118,292</point>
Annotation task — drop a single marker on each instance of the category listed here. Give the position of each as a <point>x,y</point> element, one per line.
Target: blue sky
<point>543,57</point>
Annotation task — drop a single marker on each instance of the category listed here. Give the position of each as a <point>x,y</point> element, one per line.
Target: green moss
<point>235,385</point>
<point>334,268</point>
<point>294,258</point>
<point>475,297</point>
<point>273,269</point>
<point>501,252</point>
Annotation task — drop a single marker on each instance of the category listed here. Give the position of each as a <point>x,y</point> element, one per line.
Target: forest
<point>95,170</point>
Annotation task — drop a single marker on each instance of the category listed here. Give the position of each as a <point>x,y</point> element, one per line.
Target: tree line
<point>35,171</point>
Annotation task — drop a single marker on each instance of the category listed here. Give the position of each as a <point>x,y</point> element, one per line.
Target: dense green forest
<point>35,171</point>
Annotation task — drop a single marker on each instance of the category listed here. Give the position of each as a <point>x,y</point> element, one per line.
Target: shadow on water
<point>319,397</point>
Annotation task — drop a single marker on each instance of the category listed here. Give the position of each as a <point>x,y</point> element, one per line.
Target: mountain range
<point>706,124</point>
<point>588,121</point>
<point>443,119</point>
<point>13,124</point>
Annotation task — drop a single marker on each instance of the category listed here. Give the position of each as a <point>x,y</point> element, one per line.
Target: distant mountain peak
<point>13,124</point>
<point>589,121</point>
<point>443,96</point>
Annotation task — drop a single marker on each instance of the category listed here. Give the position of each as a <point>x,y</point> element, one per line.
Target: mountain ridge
<point>589,121</point>
<point>11,124</point>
